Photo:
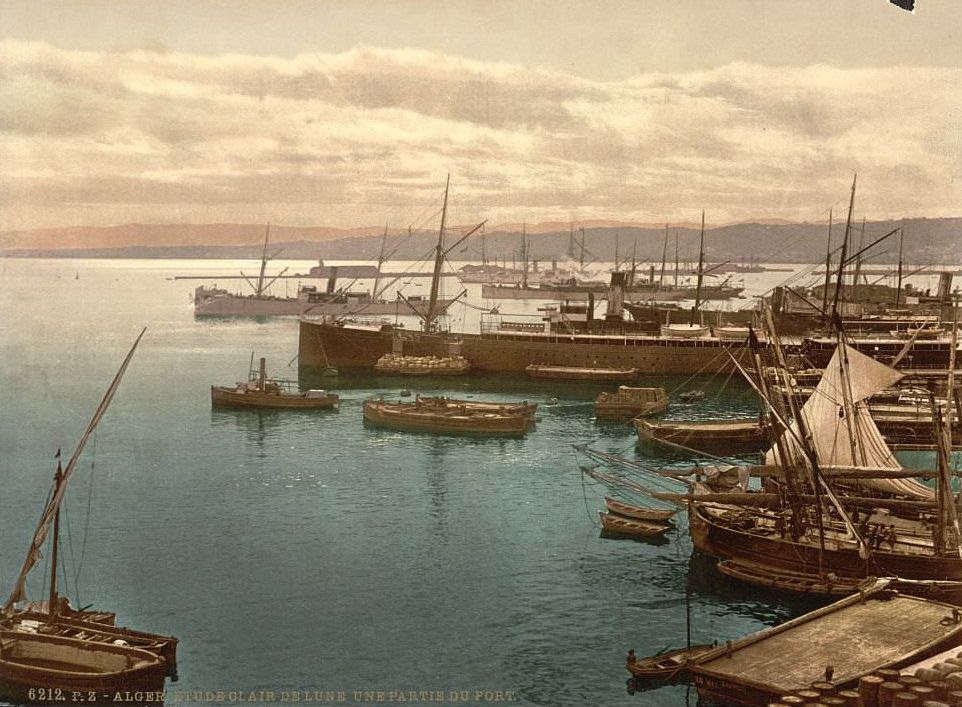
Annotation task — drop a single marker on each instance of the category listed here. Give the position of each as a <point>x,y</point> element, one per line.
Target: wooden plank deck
<point>854,640</point>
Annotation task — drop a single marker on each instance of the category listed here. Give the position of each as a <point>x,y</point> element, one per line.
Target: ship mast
<point>828,265</point>
<point>438,263</point>
<point>664,254</point>
<point>701,266</point>
<point>380,262</point>
<point>898,289</point>
<point>524,254</point>
<point>259,290</point>
<point>841,260</point>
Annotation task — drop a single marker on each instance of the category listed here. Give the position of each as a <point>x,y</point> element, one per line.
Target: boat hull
<point>242,306</point>
<point>726,437</point>
<point>787,555</point>
<point>230,397</point>
<point>569,373</point>
<point>474,423</point>
<point>323,344</point>
<point>35,669</point>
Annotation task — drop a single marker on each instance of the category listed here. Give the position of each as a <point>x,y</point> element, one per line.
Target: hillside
<point>926,241</point>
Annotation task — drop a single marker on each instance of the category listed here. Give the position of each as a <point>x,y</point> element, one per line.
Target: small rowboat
<point>713,436</point>
<point>637,512</point>
<point>453,420</point>
<point>614,523</point>
<point>665,666</point>
<point>752,573</point>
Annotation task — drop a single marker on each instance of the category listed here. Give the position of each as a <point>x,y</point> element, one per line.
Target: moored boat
<point>620,525</point>
<point>713,436</point>
<point>263,392</point>
<point>452,420</point>
<point>628,402</point>
<point>581,373</point>
<point>49,651</point>
<point>666,666</point>
<point>639,512</point>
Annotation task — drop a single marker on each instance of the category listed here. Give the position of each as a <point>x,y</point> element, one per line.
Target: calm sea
<point>300,552</point>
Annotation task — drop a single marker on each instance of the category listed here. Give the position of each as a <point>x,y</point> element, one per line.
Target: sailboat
<point>50,651</point>
<point>885,523</point>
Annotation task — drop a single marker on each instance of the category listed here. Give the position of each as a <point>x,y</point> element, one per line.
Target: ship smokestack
<point>616,296</point>
<point>331,279</point>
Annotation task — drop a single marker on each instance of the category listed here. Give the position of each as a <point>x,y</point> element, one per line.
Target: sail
<point>842,431</point>
<point>53,505</point>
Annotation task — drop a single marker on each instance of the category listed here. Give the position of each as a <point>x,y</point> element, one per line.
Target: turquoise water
<point>303,551</point>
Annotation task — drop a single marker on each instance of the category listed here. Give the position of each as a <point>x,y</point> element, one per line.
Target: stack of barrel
<point>938,686</point>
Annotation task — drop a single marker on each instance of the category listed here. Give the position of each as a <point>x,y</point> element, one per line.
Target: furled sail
<point>53,505</point>
<point>841,429</point>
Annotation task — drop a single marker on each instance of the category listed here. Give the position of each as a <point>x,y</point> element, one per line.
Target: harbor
<point>455,354</point>
<point>513,516</point>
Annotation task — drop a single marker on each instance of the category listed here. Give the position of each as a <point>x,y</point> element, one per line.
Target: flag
<point>904,4</point>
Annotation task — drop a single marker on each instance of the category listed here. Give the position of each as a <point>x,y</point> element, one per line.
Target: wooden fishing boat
<point>452,420</point>
<point>630,402</point>
<point>49,651</point>
<point>577,373</point>
<point>713,436</point>
<point>613,523</point>
<point>523,408</point>
<point>803,583</point>
<point>397,364</point>
<point>36,663</point>
<point>876,629</point>
<point>670,665</point>
<point>263,392</point>
<point>638,512</point>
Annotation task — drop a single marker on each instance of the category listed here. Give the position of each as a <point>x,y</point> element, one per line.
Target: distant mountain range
<point>934,241</point>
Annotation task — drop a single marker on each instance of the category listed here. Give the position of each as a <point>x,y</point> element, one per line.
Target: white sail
<point>842,432</point>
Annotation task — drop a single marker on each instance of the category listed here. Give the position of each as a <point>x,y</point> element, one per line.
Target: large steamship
<point>569,335</point>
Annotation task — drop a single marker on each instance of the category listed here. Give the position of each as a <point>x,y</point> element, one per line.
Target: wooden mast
<point>380,262</point>
<point>841,260</point>
<point>676,260</point>
<point>259,290</point>
<point>828,266</point>
<point>898,289</point>
<point>664,255</point>
<point>54,553</point>
<point>524,254</point>
<point>701,265</point>
<point>438,263</point>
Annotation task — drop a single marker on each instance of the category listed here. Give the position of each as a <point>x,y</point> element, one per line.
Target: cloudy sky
<point>349,113</point>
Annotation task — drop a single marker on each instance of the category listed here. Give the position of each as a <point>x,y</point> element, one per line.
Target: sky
<point>352,113</point>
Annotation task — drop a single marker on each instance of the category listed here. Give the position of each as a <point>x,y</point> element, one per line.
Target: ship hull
<point>238,306</point>
<point>323,344</point>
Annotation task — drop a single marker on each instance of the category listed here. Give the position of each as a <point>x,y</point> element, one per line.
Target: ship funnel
<point>616,296</point>
<point>331,279</point>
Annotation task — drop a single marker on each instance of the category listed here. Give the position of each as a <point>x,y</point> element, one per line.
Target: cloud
<point>353,138</point>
